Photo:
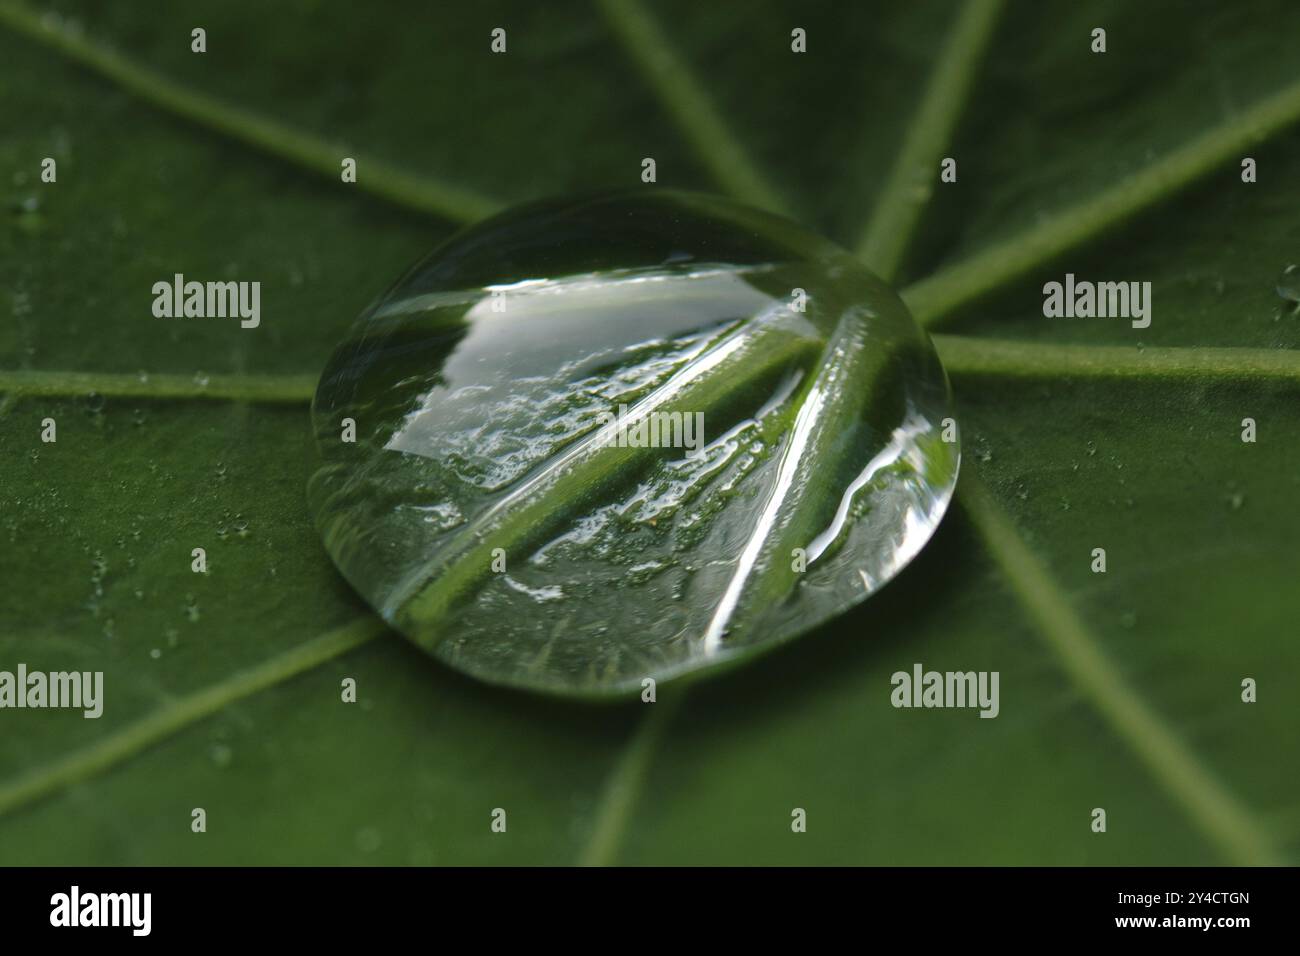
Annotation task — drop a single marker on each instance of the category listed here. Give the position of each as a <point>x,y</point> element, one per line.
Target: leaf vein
<point>1208,804</point>
<point>688,104</point>
<point>383,180</point>
<point>936,297</point>
<point>898,210</point>
<point>129,741</point>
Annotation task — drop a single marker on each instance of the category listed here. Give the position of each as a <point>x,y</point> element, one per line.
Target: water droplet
<point>26,212</point>
<point>369,839</point>
<point>1128,619</point>
<point>1090,448</point>
<point>155,653</point>
<point>221,755</point>
<point>201,379</point>
<point>191,609</point>
<point>94,403</point>
<point>574,390</point>
<point>1288,284</point>
<point>1235,500</point>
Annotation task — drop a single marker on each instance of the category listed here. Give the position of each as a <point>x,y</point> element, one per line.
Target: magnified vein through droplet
<point>628,436</point>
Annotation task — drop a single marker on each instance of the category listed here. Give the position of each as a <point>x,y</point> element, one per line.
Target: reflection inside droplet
<point>628,436</point>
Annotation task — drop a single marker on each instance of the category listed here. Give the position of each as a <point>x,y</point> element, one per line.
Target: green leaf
<point>1119,690</point>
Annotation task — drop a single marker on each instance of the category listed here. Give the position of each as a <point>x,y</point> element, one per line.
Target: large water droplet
<point>628,436</point>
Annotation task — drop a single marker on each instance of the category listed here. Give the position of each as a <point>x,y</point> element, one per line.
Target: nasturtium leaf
<point>222,690</point>
<point>596,440</point>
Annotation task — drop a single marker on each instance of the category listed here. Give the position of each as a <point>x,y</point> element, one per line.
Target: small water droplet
<point>26,212</point>
<point>1128,619</point>
<point>221,755</point>
<point>369,839</point>
<point>1090,448</point>
<point>155,653</point>
<point>1288,284</point>
<point>1235,500</point>
<point>201,379</point>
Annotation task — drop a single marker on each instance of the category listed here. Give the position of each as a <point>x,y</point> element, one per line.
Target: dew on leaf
<point>368,839</point>
<point>1288,284</point>
<point>26,212</point>
<point>570,394</point>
